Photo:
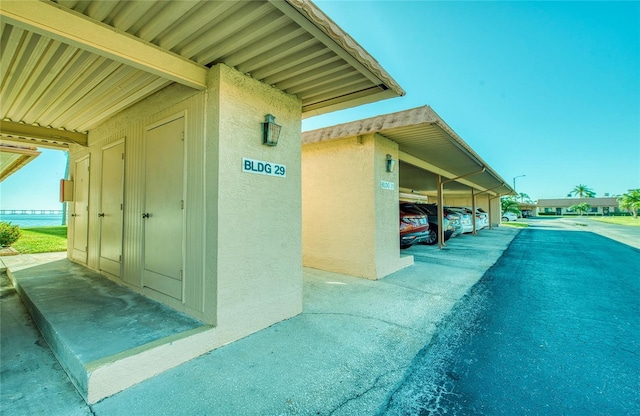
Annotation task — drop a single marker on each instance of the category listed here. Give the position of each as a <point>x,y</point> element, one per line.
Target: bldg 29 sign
<point>263,168</point>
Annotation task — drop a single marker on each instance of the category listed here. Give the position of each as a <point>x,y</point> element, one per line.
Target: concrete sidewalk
<point>344,355</point>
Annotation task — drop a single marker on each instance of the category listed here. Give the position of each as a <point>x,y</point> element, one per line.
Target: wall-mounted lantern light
<point>270,131</point>
<point>390,163</point>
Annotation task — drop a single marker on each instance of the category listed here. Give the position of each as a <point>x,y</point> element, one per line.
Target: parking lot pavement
<point>628,235</point>
<point>32,382</point>
<point>344,355</point>
<point>621,233</point>
<point>553,328</point>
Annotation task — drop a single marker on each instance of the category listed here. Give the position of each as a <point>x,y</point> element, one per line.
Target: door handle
<point>146,215</point>
<point>101,214</point>
<point>74,215</point>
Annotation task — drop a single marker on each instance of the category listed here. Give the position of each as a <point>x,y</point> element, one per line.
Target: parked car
<point>455,219</point>
<point>414,228</point>
<point>482,219</point>
<point>432,213</point>
<point>509,216</point>
<point>466,218</point>
<point>452,217</point>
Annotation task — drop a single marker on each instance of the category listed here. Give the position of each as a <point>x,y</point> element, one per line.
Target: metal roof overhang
<point>14,157</point>
<point>68,65</point>
<point>427,147</point>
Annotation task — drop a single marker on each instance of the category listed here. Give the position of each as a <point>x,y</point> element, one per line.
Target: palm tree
<point>630,201</point>
<point>583,191</point>
<point>524,197</point>
<point>581,208</point>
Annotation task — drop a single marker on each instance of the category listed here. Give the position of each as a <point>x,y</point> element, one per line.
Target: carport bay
<point>435,164</point>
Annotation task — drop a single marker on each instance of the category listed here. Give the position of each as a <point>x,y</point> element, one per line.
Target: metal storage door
<point>80,213</point>
<point>164,208</point>
<point>111,208</point>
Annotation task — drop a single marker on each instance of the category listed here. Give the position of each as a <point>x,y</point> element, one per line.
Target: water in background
<point>32,220</point>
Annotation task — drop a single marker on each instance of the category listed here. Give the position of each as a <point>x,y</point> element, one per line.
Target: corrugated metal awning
<point>14,157</point>
<point>428,147</point>
<point>69,64</point>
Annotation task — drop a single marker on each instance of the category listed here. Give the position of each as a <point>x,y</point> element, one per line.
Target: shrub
<point>9,234</point>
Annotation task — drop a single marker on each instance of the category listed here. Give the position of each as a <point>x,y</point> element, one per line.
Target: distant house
<point>561,206</point>
<point>527,209</point>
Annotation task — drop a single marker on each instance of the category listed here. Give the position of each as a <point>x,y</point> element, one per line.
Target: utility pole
<point>514,181</point>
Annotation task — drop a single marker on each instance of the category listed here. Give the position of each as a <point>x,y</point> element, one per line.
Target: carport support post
<point>440,213</point>
<point>489,204</point>
<point>473,208</point>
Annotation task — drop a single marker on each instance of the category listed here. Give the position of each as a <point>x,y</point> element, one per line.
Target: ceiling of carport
<point>69,65</point>
<point>416,179</point>
<point>428,147</point>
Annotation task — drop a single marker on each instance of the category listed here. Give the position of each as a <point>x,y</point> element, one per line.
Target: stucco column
<point>255,235</point>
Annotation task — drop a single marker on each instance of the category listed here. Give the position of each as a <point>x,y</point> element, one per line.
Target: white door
<point>112,204</point>
<point>80,213</point>
<point>163,214</point>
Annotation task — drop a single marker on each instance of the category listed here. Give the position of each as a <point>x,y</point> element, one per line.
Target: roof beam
<point>72,28</point>
<point>417,162</point>
<point>11,129</point>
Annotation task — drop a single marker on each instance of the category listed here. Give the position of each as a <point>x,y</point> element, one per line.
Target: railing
<point>30,212</point>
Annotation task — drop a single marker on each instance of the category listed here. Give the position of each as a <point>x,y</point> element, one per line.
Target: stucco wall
<point>591,211</point>
<point>256,232</point>
<point>495,210</point>
<point>465,201</point>
<point>242,248</point>
<point>350,224</point>
<point>490,204</point>
<point>387,234</point>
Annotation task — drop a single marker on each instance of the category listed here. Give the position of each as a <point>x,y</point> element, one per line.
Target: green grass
<point>515,224</point>
<point>42,240</point>
<point>630,221</point>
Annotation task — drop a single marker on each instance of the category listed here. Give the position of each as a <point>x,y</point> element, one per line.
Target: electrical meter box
<point>66,190</point>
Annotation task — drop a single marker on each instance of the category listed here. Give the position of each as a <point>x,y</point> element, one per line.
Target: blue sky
<point>37,185</point>
<point>550,90</point>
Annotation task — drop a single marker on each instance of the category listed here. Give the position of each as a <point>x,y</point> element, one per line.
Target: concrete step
<point>105,336</point>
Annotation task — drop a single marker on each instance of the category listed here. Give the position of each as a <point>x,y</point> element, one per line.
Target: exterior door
<point>80,214</point>
<point>163,214</point>
<point>112,204</point>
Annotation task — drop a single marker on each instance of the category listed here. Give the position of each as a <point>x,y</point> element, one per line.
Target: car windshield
<point>429,208</point>
<point>411,209</point>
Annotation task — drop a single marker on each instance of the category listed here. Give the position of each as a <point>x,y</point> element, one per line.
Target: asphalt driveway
<point>553,328</point>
